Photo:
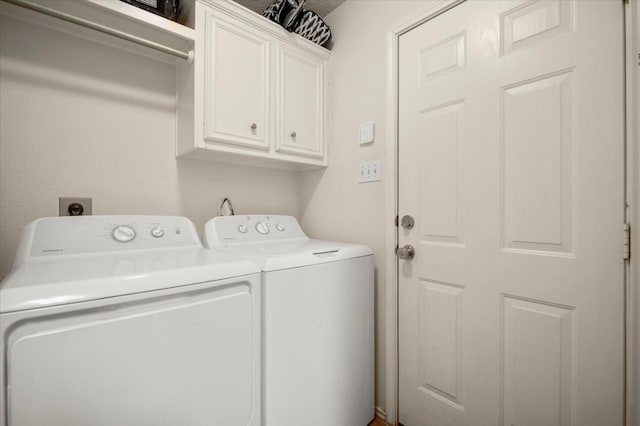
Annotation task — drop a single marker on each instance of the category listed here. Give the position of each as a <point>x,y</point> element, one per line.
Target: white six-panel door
<point>511,163</point>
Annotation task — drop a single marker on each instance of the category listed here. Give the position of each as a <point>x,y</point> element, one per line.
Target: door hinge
<point>626,241</point>
<point>396,221</point>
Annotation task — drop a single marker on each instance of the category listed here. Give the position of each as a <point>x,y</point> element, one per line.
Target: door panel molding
<point>537,174</point>
<point>552,346</point>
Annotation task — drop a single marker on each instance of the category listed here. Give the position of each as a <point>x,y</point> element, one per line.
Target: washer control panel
<point>223,230</point>
<point>90,234</point>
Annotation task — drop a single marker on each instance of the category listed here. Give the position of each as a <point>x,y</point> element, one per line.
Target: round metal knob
<point>407,222</point>
<point>407,252</point>
<point>254,126</point>
<point>293,134</point>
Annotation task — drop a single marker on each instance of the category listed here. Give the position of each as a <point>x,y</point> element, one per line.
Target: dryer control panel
<point>66,235</point>
<point>224,230</point>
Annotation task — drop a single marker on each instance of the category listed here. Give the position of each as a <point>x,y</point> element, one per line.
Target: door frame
<point>632,194</point>
<point>632,81</point>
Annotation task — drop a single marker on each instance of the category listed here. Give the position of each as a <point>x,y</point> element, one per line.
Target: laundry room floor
<point>377,422</point>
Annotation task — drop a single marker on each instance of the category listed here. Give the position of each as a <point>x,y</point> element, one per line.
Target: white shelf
<point>127,11</point>
<point>110,13</point>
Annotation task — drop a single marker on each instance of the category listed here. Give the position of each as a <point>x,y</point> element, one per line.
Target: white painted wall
<point>80,118</point>
<point>334,206</point>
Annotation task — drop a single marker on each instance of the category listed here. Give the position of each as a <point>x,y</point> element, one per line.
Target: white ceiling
<point>321,7</point>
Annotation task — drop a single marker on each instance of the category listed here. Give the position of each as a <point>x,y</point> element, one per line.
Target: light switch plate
<point>367,132</point>
<point>369,171</point>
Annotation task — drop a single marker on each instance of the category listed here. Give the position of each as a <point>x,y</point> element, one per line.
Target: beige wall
<point>334,205</point>
<point>79,118</point>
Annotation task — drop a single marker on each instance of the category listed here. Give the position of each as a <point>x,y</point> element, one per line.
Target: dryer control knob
<point>242,229</point>
<point>157,232</point>
<point>262,228</point>
<point>280,227</point>
<point>123,233</point>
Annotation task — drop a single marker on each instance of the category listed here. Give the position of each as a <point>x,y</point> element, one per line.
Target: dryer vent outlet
<point>74,206</point>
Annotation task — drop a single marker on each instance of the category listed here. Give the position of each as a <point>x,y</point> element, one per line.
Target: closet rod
<point>103,29</point>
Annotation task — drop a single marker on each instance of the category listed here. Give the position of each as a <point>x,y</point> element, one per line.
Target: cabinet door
<point>300,98</point>
<point>236,109</point>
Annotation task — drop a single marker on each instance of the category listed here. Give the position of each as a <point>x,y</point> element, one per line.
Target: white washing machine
<point>317,313</point>
<point>128,320</point>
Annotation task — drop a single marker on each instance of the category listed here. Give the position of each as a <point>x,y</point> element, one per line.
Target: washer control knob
<point>262,228</point>
<point>280,227</point>
<point>157,232</point>
<point>123,233</point>
<point>242,229</point>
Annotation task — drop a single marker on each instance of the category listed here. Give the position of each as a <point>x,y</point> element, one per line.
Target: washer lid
<point>59,280</point>
<point>275,256</point>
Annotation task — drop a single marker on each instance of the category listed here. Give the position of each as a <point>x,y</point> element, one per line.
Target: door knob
<point>407,222</point>
<point>407,252</point>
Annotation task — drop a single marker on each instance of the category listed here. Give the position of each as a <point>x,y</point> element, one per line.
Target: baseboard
<point>381,414</point>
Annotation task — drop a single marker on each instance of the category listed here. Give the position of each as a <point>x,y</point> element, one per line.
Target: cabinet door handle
<point>293,134</point>
<point>254,126</point>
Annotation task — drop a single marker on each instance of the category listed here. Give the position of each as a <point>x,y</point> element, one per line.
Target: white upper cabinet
<point>300,103</point>
<point>255,94</point>
<point>236,83</point>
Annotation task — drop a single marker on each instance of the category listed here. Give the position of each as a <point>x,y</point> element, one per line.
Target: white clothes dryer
<point>128,320</point>
<point>317,313</point>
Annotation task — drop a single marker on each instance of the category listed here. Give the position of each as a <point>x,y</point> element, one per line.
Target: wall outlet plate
<point>74,206</point>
